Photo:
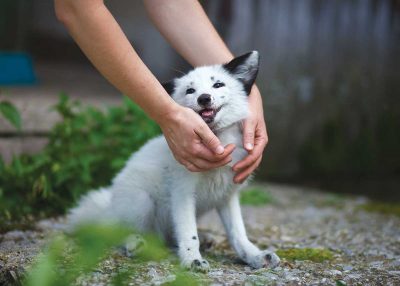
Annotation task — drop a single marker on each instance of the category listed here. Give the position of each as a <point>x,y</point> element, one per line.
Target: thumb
<point>248,134</point>
<point>209,139</point>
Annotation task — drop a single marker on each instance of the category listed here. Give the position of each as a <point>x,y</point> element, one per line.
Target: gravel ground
<point>366,246</point>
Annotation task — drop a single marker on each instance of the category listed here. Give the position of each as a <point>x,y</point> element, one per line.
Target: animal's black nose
<point>204,99</point>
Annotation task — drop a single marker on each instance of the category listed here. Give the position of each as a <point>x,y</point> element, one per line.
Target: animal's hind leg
<point>135,208</point>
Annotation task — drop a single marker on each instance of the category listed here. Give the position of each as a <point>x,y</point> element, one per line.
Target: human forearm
<point>99,36</point>
<point>185,25</point>
<point>187,28</point>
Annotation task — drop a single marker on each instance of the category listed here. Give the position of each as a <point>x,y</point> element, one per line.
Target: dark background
<point>329,76</point>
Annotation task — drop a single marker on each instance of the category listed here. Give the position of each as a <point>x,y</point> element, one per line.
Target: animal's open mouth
<point>208,114</point>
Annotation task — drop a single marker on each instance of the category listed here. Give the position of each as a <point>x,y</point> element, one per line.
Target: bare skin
<point>185,25</point>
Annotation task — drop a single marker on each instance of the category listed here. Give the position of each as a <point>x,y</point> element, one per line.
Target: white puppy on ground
<point>154,193</point>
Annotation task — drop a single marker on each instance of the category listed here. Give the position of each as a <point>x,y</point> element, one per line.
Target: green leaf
<point>11,114</point>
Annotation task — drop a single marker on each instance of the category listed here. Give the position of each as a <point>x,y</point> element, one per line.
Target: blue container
<point>16,69</point>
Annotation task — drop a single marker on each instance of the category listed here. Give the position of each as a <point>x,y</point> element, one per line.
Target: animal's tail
<point>92,208</point>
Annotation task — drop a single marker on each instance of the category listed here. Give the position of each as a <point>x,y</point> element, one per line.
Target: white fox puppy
<point>155,193</point>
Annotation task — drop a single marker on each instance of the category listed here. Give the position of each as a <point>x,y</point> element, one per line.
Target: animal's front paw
<point>265,259</point>
<point>197,265</point>
<point>133,244</point>
<point>200,265</point>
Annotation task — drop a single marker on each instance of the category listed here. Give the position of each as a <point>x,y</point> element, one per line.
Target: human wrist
<point>169,115</point>
<point>255,100</point>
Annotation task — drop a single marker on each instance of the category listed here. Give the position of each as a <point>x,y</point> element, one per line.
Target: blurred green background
<point>330,77</point>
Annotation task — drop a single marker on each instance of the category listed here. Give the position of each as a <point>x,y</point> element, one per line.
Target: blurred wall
<point>131,15</point>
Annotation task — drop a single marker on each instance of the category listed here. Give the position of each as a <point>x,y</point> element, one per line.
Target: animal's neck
<point>230,134</point>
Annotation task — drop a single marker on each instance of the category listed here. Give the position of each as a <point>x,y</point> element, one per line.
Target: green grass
<point>312,254</point>
<point>67,258</point>
<point>255,196</point>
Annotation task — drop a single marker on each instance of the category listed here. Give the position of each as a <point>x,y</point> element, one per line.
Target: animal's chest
<point>213,188</point>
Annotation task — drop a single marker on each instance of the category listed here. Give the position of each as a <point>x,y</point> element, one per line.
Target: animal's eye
<point>190,91</point>
<point>218,84</point>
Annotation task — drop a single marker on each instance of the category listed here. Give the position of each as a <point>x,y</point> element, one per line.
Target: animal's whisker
<point>179,71</point>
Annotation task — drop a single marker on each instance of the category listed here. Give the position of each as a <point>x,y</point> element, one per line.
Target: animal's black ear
<point>169,86</point>
<point>245,69</point>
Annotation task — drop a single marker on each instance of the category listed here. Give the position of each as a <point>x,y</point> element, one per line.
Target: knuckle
<point>249,134</point>
<point>201,128</point>
<point>191,168</point>
<point>251,120</point>
<point>211,140</point>
<point>192,150</point>
<point>185,144</point>
<point>251,159</point>
<point>182,156</point>
<point>201,165</point>
<point>179,159</point>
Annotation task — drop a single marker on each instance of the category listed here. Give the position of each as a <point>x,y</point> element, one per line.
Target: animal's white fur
<point>155,193</point>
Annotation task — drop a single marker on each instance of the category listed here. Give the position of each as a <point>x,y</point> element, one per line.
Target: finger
<point>205,153</point>
<point>249,128</point>
<point>209,139</point>
<point>253,156</point>
<point>242,175</point>
<point>192,167</point>
<point>207,165</point>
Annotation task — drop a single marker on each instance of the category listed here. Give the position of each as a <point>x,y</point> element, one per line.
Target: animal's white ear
<point>245,68</point>
<point>169,86</point>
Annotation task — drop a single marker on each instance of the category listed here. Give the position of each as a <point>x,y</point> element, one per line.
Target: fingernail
<point>249,146</point>
<point>220,150</point>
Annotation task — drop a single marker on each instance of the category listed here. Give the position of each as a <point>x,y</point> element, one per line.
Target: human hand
<point>192,142</point>
<point>255,138</point>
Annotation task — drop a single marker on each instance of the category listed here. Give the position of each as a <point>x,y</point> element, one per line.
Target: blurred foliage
<point>10,113</point>
<point>69,259</point>
<point>312,254</point>
<point>255,197</point>
<point>383,208</point>
<point>85,150</point>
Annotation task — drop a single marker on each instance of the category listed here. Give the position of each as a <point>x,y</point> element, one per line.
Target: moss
<point>255,197</point>
<point>312,254</point>
<point>384,208</point>
<point>332,200</point>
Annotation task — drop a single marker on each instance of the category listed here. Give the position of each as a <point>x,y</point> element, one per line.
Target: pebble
<point>336,272</point>
<point>395,263</point>
<point>347,267</point>
<point>354,276</point>
<point>363,246</point>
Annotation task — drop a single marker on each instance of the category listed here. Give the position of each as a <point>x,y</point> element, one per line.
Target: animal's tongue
<point>207,112</point>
